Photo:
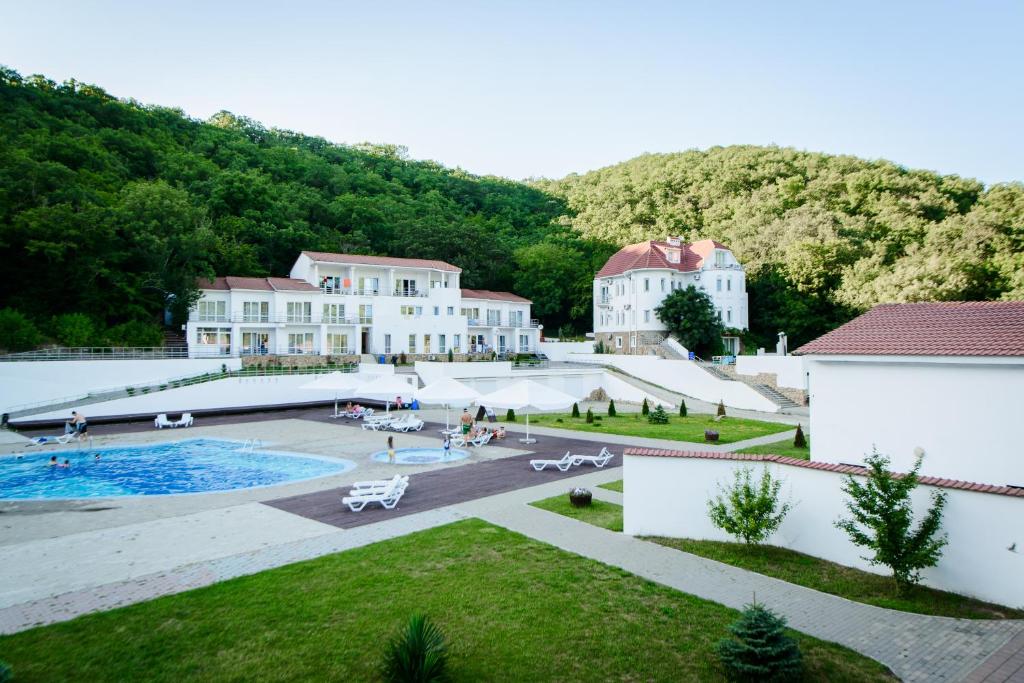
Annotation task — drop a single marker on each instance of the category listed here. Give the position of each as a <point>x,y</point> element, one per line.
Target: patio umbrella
<point>384,388</point>
<point>338,382</point>
<point>447,392</point>
<point>527,395</point>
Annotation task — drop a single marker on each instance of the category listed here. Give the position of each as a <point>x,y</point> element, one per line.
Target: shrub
<point>451,356</point>
<point>145,390</point>
<point>163,387</point>
<point>17,333</point>
<point>882,515</point>
<point>747,510</point>
<point>402,359</point>
<point>760,649</point>
<point>682,408</point>
<point>74,329</point>
<point>597,418</point>
<point>134,333</point>
<point>575,409</point>
<point>416,654</point>
<point>658,416</point>
<point>580,497</point>
<point>599,347</point>
<point>611,408</point>
<point>721,408</point>
<point>799,441</point>
<point>130,390</point>
<point>590,416</point>
<point>510,416</point>
<point>6,673</point>
<point>645,409</point>
<point>558,419</point>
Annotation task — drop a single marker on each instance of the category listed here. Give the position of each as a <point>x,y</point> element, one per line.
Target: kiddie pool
<point>421,456</point>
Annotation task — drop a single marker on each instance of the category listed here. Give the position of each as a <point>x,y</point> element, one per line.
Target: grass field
<point>613,486</point>
<point>690,428</point>
<point>599,513</point>
<point>784,447</point>
<point>513,609</point>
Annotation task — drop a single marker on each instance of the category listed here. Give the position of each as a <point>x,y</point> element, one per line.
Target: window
<point>419,311</point>
<point>632,340</point>
<point>334,313</point>
<point>256,311</point>
<point>369,285</point>
<point>728,315</point>
<point>719,311</point>
<point>407,311</point>
<point>366,313</point>
<point>437,310</point>
<point>618,342</point>
<point>255,342</point>
<point>663,284</point>
<point>647,284</point>
<point>457,343</point>
<point>728,284</point>
<point>524,343</point>
<point>300,342</point>
<point>493,317</point>
<point>412,343</point>
<point>515,319</point>
<point>472,315</point>
<point>441,343</point>
<point>501,343</point>
<point>387,343</point>
<point>719,259</point>
<point>451,310</point>
<point>405,288</point>
<point>214,336</point>
<point>331,284</point>
<point>337,343</point>
<point>299,311</point>
<point>426,343</point>
<point>647,316</point>
<point>718,285</point>
<point>213,311</point>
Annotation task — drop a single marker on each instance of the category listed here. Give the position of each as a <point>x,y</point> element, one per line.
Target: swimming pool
<point>421,456</point>
<point>190,466</point>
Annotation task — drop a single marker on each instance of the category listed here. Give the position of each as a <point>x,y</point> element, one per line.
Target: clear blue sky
<point>546,88</point>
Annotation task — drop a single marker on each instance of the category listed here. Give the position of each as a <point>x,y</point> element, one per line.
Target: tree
<point>692,319</point>
<point>721,408</point>
<point>611,407</point>
<point>75,329</point>
<point>799,441</point>
<point>590,416</point>
<point>17,333</point>
<point>760,649</point>
<point>510,416</point>
<point>747,510</point>
<point>682,408</point>
<point>417,654</point>
<point>575,409</point>
<point>658,416</point>
<point>645,409</point>
<point>882,520</point>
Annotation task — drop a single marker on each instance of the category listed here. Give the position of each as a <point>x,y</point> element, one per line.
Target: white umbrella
<point>384,388</point>
<point>338,382</point>
<point>447,392</point>
<point>527,394</point>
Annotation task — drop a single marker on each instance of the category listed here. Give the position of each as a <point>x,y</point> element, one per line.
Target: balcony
<point>303,319</point>
<point>409,293</point>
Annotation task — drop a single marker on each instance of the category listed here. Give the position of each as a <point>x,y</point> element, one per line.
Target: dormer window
<point>673,255</point>
<point>719,259</point>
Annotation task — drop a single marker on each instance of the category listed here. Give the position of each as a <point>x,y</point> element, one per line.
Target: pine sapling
<point>645,409</point>
<point>611,408</point>
<point>510,416</point>
<point>799,441</point>
<point>590,416</point>
<point>760,649</point>
<point>682,408</point>
<point>575,409</point>
<point>721,408</point>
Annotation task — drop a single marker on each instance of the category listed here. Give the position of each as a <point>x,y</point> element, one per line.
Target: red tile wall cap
<point>957,484</point>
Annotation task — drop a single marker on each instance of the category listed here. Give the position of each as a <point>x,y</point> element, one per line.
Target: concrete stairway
<point>768,392</point>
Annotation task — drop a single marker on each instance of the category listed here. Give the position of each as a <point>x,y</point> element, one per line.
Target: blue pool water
<point>191,466</point>
<point>421,456</point>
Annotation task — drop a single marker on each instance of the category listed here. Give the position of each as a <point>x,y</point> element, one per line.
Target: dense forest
<point>822,237</point>
<point>111,208</point>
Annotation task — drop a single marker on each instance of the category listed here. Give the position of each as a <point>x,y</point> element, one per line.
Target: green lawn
<point>599,513</point>
<point>613,486</point>
<point>784,447</point>
<point>690,428</point>
<point>512,608</point>
<point>805,570</point>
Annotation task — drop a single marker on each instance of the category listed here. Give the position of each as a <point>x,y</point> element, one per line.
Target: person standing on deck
<point>391,450</point>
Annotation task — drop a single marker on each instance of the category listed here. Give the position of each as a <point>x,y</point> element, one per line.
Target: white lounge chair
<point>377,423</point>
<point>377,484</point>
<point>562,465</point>
<point>387,497</point>
<point>599,460</point>
<point>410,423</point>
<point>63,440</point>
<point>481,440</point>
<point>161,421</point>
<point>186,420</point>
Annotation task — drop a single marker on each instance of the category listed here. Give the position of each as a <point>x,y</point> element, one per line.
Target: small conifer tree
<point>451,356</point>
<point>510,416</point>
<point>682,408</point>
<point>645,409</point>
<point>590,416</point>
<point>611,407</point>
<point>658,416</point>
<point>575,409</point>
<point>799,441</point>
<point>760,649</point>
<point>721,407</point>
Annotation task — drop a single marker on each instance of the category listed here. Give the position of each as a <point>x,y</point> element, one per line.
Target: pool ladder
<point>251,445</point>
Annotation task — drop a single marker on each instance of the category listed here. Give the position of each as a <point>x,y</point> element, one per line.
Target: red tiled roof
<point>359,259</point>
<point>493,296</point>
<point>259,284</point>
<point>218,283</point>
<point>289,284</point>
<point>651,254</point>
<point>948,328</point>
<point>256,283</point>
<point>824,466</point>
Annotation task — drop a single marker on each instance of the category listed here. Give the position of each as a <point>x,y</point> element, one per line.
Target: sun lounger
<point>387,497</point>
<point>376,484</point>
<point>377,422</point>
<point>161,421</point>
<point>562,465</point>
<point>599,460</point>
<point>481,440</point>
<point>186,420</point>
<point>410,423</point>
<point>63,439</point>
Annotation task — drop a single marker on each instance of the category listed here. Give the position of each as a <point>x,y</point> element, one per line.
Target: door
<point>366,341</point>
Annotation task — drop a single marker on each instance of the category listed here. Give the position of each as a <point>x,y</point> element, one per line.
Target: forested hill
<point>107,204</point>
<point>823,237</point>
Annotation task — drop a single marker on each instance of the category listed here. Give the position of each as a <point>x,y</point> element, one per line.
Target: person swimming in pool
<point>65,465</point>
<point>391,450</point>
<point>53,461</point>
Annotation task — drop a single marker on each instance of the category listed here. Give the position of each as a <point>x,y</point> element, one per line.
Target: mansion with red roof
<point>350,304</point>
<point>633,283</point>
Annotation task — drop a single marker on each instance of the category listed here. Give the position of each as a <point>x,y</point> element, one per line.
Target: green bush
<point>74,329</point>
<point>451,356</point>
<point>746,509</point>
<point>645,409</point>
<point>416,654</point>
<point>135,333</point>
<point>558,419</point>
<point>799,441</point>
<point>6,673</point>
<point>17,333</point>
<point>510,416</point>
<point>611,407</point>
<point>682,408</point>
<point>760,649</point>
<point>721,408</point>
<point>658,416</point>
<point>575,409</point>
<point>590,416</point>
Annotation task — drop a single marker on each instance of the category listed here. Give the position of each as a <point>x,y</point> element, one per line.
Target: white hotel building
<point>634,281</point>
<point>347,305</point>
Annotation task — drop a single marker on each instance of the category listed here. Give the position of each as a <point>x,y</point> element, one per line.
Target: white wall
<point>35,382</point>
<point>667,496</point>
<point>685,377</point>
<point>559,351</point>
<point>965,414</point>
<point>431,372</point>
<point>790,371</point>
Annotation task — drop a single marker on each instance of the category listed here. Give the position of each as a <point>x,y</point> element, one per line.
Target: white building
<point>344,304</point>
<point>947,378</point>
<point>633,283</point>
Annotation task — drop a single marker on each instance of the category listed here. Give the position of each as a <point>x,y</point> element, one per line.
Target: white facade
<point>625,302</point>
<point>667,496</point>
<point>339,305</point>
<point>964,412</point>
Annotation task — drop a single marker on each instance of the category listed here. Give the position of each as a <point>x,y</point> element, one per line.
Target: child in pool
<point>391,450</point>
<point>447,445</point>
<point>53,461</point>
<point>65,465</point>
